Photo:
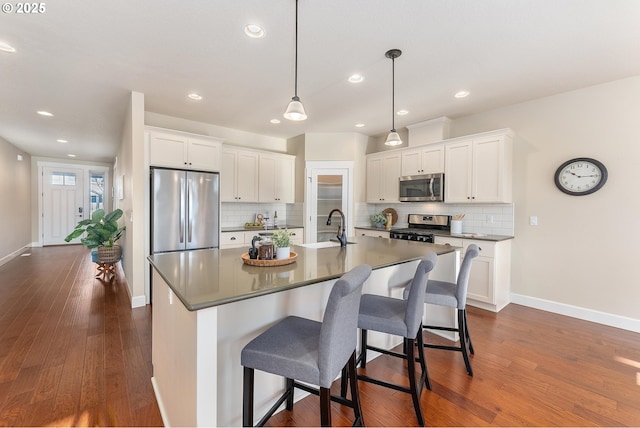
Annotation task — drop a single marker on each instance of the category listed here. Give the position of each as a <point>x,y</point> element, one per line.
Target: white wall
<point>15,194</point>
<point>583,250</point>
<point>130,165</point>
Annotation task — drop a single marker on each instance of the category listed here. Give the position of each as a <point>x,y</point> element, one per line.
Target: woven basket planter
<point>109,254</point>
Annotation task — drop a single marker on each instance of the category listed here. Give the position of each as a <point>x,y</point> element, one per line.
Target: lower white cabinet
<point>382,233</point>
<point>243,238</point>
<point>490,279</point>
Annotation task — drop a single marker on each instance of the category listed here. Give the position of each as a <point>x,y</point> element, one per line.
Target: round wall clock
<point>581,176</point>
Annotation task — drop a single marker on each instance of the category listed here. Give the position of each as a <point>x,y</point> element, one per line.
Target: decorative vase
<point>283,253</point>
<point>379,225</point>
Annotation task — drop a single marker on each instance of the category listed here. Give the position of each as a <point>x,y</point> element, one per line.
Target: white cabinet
<point>381,233</point>
<point>424,160</point>
<point>383,172</point>
<point>479,169</point>
<point>176,150</point>
<point>490,279</point>
<point>241,238</point>
<point>277,178</point>
<point>239,175</point>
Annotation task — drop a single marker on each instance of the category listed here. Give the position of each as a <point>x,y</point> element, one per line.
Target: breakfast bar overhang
<point>208,304</point>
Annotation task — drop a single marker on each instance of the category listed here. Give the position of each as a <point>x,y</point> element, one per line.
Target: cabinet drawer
<point>228,239</point>
<point>486,248</point>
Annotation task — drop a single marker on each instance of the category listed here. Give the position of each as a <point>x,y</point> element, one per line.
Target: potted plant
<point>102,231</point>
<point>378,220</point>
<point>281,239</point>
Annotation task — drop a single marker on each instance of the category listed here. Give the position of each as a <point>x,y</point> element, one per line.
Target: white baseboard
<point>13,255</point>
<point>138,301</point>
<point>604,318</point>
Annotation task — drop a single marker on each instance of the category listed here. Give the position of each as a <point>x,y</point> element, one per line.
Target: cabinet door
<point>228,176</point>
<point>411,162</point>
<point>285,180</point>
<point>167,150</point>
<point>374,180</point>
<point>481,285</point>
<point>432,159</point>
<point>267,182</point>
<point>247,177</point>
<point>488,170</point>
<point>458,164</point>
<point>297,236</point>
<point>391,169</point>
<point>204,155</point>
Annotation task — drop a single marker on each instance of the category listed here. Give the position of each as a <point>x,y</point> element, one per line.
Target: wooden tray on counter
<point>267,263</point>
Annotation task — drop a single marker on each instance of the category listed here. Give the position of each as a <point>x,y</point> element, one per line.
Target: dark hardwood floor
<point>73,353</point>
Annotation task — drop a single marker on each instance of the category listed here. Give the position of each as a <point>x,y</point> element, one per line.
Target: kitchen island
<point>207,304</point>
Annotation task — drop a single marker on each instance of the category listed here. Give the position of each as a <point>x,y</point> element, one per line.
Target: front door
<point>62,202</point>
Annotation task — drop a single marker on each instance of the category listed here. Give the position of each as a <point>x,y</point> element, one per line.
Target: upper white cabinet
<point>423,160</point>
<point>383,171</point>
<point>184,151</point>
<point>239,175</point>
<point>277,178</point>
<point>479,169</point>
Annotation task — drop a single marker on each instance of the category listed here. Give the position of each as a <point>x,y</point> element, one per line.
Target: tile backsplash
<point>490,219</point>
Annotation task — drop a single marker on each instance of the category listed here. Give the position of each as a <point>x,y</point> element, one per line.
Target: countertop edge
<point>495,238</point>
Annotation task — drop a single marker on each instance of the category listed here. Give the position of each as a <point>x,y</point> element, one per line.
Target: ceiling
<point>81,59</point>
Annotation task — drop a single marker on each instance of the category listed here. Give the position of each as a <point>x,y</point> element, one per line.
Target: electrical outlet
<point>533,220</point>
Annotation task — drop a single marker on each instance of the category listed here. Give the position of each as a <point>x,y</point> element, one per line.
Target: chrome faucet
<point>342,229</point>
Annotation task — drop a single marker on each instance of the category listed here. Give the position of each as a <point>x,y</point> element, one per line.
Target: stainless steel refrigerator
<point>185,210</point>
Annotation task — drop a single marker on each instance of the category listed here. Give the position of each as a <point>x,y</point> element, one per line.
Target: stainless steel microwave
<point>422,188</point>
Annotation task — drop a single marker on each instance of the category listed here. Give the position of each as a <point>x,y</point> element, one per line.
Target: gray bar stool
<point>454,295</point>
<point>400,318</point>
<point>310,351</point>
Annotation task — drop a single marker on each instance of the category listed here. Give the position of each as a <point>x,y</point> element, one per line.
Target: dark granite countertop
<point>478,236</point>
<point>206,278</point>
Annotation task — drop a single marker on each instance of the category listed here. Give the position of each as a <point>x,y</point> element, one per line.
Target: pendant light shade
<point>393,139</point>
<point>295,109</point>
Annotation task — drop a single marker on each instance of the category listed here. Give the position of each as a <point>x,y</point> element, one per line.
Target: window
<point>63,179</point>
<point>96,192</point>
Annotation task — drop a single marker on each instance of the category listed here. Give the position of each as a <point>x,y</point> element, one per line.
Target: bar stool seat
<point>309,351</point>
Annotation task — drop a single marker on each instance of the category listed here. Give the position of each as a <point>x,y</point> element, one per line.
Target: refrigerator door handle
<point>182,208</point>
<point>189,202</point>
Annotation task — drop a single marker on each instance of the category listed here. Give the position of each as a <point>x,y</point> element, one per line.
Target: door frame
<point>87,169</point>
<point>313,165</point>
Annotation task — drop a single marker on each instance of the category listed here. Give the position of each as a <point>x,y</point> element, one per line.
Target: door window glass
<point>63,179</point>
<point>96,192</point>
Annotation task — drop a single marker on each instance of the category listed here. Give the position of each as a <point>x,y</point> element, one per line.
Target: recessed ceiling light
<point>195,96</point>
<point>6,47</point>
<point>359,125</point>
<point>45,113</point>
<point>356,78</point>
<point>402,112</point>
<point>276,121</point>
<point>71,156</point>
<point>62,141</point>
<point>254,31</point>
<point>461,94</point>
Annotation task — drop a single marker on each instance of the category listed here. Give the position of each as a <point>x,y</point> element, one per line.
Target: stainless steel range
<point>422,227</point>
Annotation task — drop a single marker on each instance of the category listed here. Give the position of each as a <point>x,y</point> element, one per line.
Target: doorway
<point>329,186</point>
<point>68,193</point>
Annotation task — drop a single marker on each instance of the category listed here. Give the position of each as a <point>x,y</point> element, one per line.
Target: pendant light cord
<point>393,94</point>
<point>295,89</point>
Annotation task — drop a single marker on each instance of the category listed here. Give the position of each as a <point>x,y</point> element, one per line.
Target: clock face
<point>581,176</point>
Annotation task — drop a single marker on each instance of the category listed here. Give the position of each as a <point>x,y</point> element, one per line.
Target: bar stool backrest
<point>339,331</point>
<point>463,276</point>
<point>415,300</point>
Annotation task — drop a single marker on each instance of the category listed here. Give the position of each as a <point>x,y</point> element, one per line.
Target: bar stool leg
<point>466,332</point>
<point>355,397</point>
<point>289,386</point>
<point>247,397</point>
<point>362,359</point>
<point>325,407</point>
<point>463,341</point>
<point>423,361</point>
<point>412,381</point>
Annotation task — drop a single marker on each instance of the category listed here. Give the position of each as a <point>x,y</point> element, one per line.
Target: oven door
<point>420,188</point>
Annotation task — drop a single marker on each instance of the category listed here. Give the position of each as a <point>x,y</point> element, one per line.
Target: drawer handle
<point>233,238</point>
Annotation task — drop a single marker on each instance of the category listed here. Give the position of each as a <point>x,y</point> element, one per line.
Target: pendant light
<point>295,109</point>
<point>393,139</point>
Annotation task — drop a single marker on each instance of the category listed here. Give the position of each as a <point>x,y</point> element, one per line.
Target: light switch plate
<point>533,220</point>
